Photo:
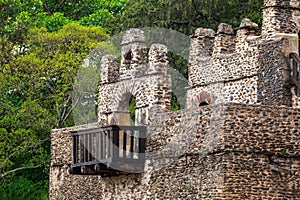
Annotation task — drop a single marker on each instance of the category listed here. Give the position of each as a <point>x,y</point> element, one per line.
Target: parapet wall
<point>230,59</point>
<point>229,151</point>
<point>246,68</point>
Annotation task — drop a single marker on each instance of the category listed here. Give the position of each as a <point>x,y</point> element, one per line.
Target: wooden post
<point>124,143</point>
<point>115,142</point>
<point>75,149</point>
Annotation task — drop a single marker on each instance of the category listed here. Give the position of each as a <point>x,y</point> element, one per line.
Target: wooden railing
<point>295,71</point>
<point>108,150</point>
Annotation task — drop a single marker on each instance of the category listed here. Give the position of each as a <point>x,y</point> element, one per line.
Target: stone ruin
<point>237,138</point>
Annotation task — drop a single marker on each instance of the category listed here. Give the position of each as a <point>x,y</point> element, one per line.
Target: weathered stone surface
<point>229,151</point>
<point>109,69</point>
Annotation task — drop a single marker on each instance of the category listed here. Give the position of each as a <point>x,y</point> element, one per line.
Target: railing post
<point>97,146</point>
<point>124,143</point>
<point>81,139</point>
<point>75,149</point>
<point>115,141</point>
<point>142,143</point>
<point>131,144</point>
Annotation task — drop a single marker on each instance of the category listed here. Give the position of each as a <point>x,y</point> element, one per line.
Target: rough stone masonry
<point>239,136</point>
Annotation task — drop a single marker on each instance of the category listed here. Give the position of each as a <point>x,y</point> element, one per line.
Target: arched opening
<point>132,107</point>
<point>175,105</point>
<point>128,57</point>
<point>204,103</point>
<point>204,98</point>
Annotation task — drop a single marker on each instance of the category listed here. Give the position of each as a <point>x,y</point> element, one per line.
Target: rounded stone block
<point>224,28</point>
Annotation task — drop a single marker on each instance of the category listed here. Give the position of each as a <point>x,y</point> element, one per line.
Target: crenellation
<point>158,59</point>
<point>247,32</point>
<point>225,40</point>
<point>109,69</point>
<point>200,54</point>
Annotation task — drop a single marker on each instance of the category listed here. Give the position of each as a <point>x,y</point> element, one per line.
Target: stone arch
<point>126,90</point>
<point>204,98</point>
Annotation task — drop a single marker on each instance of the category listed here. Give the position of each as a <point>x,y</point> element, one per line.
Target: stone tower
<point>147,82</point>
<point>281,17</point>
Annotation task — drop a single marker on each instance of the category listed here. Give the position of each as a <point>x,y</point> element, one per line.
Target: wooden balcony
<point>108,151</point>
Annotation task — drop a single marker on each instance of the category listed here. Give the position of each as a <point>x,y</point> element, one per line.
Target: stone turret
<point>133,54</point>
<point>200,52</point>
<point>225,40</point>
<point>109,69</point>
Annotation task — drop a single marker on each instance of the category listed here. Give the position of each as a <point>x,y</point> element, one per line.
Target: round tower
<point>281,16</point>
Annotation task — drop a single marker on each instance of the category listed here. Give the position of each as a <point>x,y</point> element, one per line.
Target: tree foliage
<point>186,15</point>
<point>35,90</point>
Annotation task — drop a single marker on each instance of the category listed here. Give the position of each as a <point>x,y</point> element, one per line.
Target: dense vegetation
<point>43,44</point>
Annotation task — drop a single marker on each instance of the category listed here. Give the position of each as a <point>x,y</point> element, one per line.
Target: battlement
<point>233,68</point>
<point>223,56</point>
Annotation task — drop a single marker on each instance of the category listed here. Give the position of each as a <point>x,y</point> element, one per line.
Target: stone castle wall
<point>246,149</point>
<point>225,151</point>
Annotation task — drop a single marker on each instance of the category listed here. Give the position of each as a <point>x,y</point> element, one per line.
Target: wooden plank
<point>107,140</point>
<point>131,145</point>
<point>86,151</point>
<point>103,142</point>
<point>115,142</point>
<point>81,139</point>
<point>91,147</point>
<point>75,150</point>
<point>97,146</point>
<point>124,143</point>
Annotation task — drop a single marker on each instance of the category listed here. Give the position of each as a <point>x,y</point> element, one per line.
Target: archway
<point>204,103</point>
<point>132,107</point>
<point>204,98</point>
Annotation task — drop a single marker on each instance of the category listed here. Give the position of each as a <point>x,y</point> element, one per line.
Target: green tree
<point>35,96</point>
<point>186,15</point>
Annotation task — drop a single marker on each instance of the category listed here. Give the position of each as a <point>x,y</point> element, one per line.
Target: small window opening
<point>204,103</point>
<point>128,56</point>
